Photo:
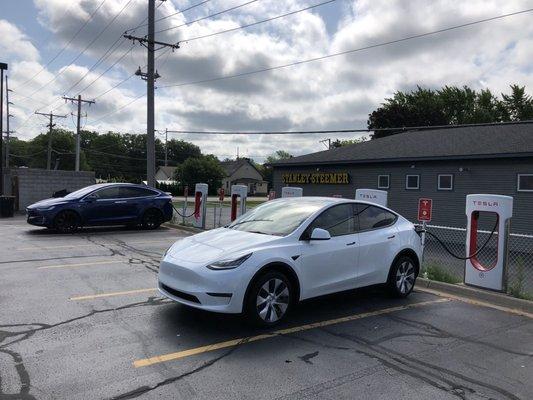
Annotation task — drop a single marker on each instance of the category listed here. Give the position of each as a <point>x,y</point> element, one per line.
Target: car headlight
<point>229,263</point>
<point>45,208</point>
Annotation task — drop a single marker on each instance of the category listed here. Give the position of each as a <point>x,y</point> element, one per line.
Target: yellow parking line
<point>236,342</point>
<point>97,296</point>
<point>475,302</point>
<point>81,265</point>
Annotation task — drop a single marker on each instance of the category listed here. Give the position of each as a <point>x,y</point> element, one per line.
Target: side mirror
<point>320,234</point>
<point>90,198</point>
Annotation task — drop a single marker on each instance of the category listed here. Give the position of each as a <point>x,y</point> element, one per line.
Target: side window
<point>127,192</point>
<point>337,220</point>
<point>371,217</point>
<point>108,193</point>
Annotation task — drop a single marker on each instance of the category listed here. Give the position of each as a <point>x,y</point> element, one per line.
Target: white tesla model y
<point>288,250</point>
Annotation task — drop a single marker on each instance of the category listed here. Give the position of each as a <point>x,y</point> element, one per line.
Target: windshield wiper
<point>249,220</point>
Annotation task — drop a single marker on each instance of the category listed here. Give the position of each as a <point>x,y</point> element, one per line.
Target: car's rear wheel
<point>402,276</point>
<point>67,221</point>
<point>152,219</point>
<point>270,299</point>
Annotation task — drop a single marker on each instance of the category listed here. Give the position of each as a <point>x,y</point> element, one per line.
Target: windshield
<point>82,192</point>
<point>279,217</point>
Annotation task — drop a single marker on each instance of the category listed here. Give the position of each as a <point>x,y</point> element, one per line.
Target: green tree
<point>204,169</point>
<point>266,169</point>
<point>347,142</point>
<point>449,105</point>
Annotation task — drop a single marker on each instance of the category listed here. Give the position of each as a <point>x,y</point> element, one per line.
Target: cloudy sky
<point>71,47</point>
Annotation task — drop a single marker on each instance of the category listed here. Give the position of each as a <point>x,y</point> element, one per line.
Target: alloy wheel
<point>272,300</point>
<point>405,277</point>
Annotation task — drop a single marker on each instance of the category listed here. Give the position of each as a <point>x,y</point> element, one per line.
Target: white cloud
<point>336,93</point>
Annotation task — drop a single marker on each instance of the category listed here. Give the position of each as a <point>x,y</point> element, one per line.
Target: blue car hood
<point>49,202</point>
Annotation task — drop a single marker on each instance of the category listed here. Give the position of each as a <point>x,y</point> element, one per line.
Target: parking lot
<point>81,319</point>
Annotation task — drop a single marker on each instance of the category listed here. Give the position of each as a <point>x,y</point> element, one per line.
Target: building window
<point>383,181</point>
<point>445,182</point>
<point>525,182</point>
<point>412,182</point>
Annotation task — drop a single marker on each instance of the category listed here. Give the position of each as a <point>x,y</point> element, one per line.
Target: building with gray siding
<point>442,164</point>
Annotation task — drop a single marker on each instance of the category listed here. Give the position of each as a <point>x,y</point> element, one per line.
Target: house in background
<point>243,172</point>
<point>165,175</point>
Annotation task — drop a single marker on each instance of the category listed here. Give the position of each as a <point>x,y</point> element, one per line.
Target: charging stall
<point>238,200</point>
<point>372,195</point>
<point>289,191</point>
<point>494,275</point>
<point>200,203</point>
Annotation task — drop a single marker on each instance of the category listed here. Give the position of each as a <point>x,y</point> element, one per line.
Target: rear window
<point>372,217</point>
<point>126,192</point>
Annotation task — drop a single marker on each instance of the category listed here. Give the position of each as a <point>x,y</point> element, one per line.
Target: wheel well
<point>69,210</point>
<point>280,267</point>
<point>409,253</point>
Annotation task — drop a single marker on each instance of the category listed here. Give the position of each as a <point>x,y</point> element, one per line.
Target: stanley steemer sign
<point>321,178</point>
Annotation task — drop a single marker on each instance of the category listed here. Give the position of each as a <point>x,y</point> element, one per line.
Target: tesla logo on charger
<point>368,196</point>
<point>424,209</point>
<point>485,203</point>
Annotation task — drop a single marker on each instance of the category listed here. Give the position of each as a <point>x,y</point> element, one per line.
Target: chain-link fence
<point>441,265</point>
<point>217,214</point>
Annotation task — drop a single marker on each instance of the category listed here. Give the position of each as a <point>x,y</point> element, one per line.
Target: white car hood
<point>216,244</point>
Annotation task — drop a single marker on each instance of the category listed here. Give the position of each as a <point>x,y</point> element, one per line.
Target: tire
<point>151,219</point>
<point>270,299</point>
<point>67,221</point>
<point>402,276</point>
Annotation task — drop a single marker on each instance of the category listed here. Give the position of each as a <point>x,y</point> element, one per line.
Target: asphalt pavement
<point>80,319</point>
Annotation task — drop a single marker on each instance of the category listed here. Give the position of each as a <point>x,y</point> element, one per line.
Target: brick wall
<point>39,184</point>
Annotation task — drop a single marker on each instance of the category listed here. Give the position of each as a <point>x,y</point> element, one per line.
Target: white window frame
<point>518,183</point>
<point>438,182</point>
<point>407,180</point>
<point>388,182</point>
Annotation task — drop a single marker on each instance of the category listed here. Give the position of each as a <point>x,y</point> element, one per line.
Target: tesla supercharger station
<point>493,276</point>
<point>372,195</point>
<point>238,200</point>
<point>289,191</point>
<point>200,203</point>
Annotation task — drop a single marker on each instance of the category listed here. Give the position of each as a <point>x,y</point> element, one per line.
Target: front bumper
<point>38,218</point>
<point>199,287</point>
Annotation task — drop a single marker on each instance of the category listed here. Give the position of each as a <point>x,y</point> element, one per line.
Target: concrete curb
<point>191,229</point>
<point>498,299</point>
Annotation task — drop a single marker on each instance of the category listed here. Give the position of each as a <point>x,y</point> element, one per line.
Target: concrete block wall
<point>39,184</point>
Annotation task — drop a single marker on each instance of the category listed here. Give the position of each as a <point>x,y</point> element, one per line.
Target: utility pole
<point>79,100</point>
<point>166,147</point>
<point>324,142</point>
<point>3,67</point>
<point>50,126</point>
<point>8,115</point>
<point>150,76</point>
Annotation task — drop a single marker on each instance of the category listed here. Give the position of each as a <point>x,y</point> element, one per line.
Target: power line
<point>207,16</point>
<point>257,22</point>
<point>168,16</point>
<point>315,59</point>
<point>85,49</point>
<point>373,46</point>
<point>401,128</point>
<point>66,46</point>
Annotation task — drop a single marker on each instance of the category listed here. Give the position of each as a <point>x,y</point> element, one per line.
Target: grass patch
<point>436,272</point>
<point>516,289</point>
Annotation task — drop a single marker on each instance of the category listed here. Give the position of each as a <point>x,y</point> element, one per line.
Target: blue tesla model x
<point>102,205</point>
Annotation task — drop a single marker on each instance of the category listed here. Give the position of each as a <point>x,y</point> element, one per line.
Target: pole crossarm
<point>50,126</point>
<point>144,41</point>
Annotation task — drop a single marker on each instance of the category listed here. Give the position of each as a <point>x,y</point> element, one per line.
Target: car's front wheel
<point>67,221</point>
<point>270,299</point>
<point>402,276</point>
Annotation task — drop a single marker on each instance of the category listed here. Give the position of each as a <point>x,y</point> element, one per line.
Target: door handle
<point>120,202</point>
<point>350,244</point>
<point>391,237</point>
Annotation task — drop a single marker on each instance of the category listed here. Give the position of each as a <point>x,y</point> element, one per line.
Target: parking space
<point>81,319</point>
